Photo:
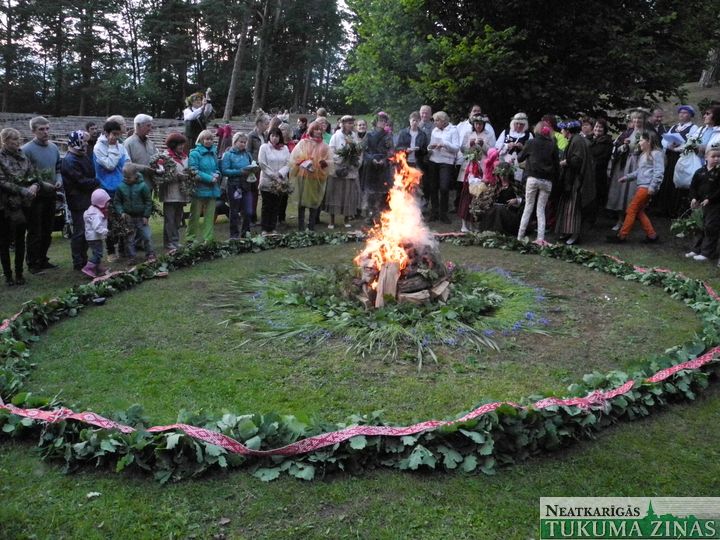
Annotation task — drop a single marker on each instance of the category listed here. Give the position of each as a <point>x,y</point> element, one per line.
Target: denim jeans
<point>240,208</point>
<point>78,244</point>
<point>96,246</point>
<point>139,229</point>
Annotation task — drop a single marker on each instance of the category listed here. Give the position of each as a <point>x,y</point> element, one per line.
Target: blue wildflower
<point>452,342</point>
<point>544,321</point>
<point>530,316</point>
<point>489,332</point>
<point>517,326</point>
<point>540,298</point>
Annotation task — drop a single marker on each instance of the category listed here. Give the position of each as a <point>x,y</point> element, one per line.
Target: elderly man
<point>139,146</point>
<point>45,156</point>
<point>426,120</point>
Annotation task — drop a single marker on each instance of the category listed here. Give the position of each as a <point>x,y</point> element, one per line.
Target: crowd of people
<point>553,175</point>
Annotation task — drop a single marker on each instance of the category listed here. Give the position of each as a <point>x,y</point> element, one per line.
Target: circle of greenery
<point>509,434</point>
<point>320,304</point>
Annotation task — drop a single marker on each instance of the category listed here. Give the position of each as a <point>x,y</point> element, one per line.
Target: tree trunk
<point>237,65</point>
<point>306,90</point>
<point>9,54</point>
<point>85,49</point>
<point>262,36</point>
<point>59,65</point>
<point>712,72</point>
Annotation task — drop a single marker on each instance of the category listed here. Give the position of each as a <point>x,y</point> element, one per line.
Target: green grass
<point>116,355</point>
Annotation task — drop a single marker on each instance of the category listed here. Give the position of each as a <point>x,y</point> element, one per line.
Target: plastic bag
<point>685,169</point>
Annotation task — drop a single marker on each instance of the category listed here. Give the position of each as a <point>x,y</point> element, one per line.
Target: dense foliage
<point>538,57</point>
<point>101,57</point>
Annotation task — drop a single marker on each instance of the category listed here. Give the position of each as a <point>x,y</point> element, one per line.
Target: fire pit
<point>401,259</point>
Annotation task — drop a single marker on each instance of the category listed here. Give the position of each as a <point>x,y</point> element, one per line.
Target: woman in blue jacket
<point>237,165</point>
<point>203,159</point>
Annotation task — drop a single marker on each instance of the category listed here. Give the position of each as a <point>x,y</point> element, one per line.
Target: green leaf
<point>214,450</point>
<point>254,443</point>
<point>302,471</point>
<point>469,464</point>
<point>358,443</point>
<point>267,474</point>
<point>451,458</point>
<point>421,456</point>
<point>474,436</point>
<point>172,440</point>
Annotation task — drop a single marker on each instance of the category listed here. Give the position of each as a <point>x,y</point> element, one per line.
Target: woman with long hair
<point>647,176</point>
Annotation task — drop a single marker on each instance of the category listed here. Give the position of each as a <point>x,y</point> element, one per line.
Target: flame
<point>400,225</point>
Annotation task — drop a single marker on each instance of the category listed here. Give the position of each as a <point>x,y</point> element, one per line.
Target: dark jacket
<point>706,185</point>
<point>133,199</point>
<point>421,142</point>
<point>579,173</point>
<point>78,174</point>
<point>542,158</point>
<point>255,141</point>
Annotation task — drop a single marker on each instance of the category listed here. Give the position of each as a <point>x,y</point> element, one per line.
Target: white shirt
<point>273,162</point>
<point>450,140</point>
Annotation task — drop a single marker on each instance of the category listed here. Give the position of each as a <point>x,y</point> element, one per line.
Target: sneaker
<point>348,225</point>
<point>331,226</point>
<point>616,227</point>
<point>112,258</point>
<point>35,270</point>
<point>464,229</point>
<point>9,281</point>
<point>524,239</point>
<point>690,254</point>
<point>20,280</point>
<point>47,265</point>
<point>653,240</point>
<point>700,257</point>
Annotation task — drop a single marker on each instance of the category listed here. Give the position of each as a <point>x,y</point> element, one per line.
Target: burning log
<point>387,282</point>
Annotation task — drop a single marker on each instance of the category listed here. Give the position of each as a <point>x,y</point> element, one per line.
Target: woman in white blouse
<point>443,148</point>
<point>273,159</point>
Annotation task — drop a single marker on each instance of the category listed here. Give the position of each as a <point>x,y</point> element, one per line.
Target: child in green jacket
<point>133,200</point>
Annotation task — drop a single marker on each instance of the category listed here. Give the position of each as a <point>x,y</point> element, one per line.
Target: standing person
<point>284,197</point>
<point>426,120</point>
<point>197,115</point>
<point>110,157</point>
<point>310,165</point>
<point>45,156</point>
<point>577,184</point>
<point>78,174</point>
<point>139,146</point>
<point>273,160</point>
<point>343,187</point>
<point>443,147</point>
<point>473,149</point>
<point>18,188</point>
<point>626,153</point>
<point>301,129</point>
<point>542,168</point>
<point>377,149</point>
<point>237,165</point>
<point>224,134</point>
<point>256,138</point>
<point>93,131</point>
<point>173,199</point>
<point>512,140</point>
<point>601,148</point>
<point>203,159</point>
<point>705,194</point>
<point>667,200</point>
<point>709,131</point>
<point>656,122</point>
<point>96,230</point>
<point>133,201</point>
<point>413,140</point>
<point>361,128</point>
<point>466,126</point>
<point>648,176</point>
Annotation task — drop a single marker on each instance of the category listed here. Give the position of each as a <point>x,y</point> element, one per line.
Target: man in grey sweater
<point>46,157</point>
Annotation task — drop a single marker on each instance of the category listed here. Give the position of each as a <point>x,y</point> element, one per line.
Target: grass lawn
<point>116,355</point>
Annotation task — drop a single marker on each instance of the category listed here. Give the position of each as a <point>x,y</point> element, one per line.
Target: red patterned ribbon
<point>598,399</point>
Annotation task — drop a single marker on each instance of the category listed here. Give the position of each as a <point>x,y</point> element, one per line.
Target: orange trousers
<point>636,210</point>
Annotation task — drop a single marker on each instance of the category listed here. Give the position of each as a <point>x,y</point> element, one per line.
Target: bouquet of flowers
<point>47,176</point>
<point>474,153</point>
<point>350,153</point>
<point>692,143</point>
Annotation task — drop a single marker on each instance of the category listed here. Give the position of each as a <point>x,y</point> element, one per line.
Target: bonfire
<point>401,259</point>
